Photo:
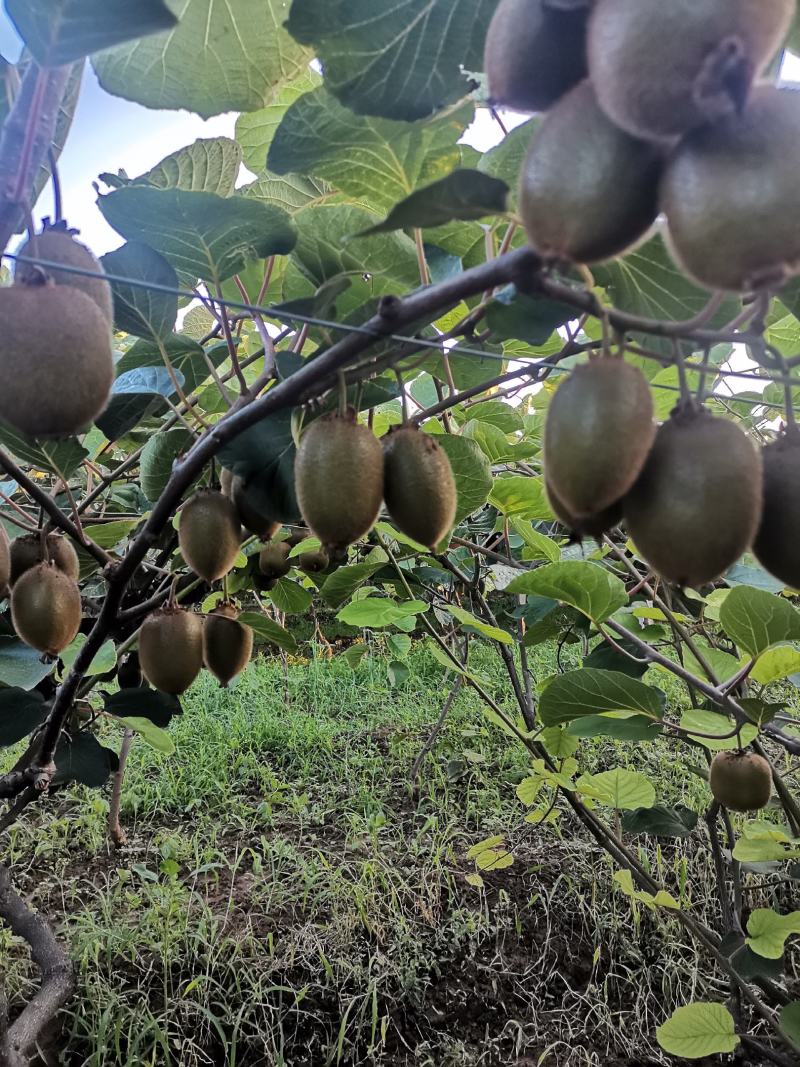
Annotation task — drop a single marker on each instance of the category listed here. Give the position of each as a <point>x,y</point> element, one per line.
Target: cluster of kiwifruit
<point>343,474</point>
<point>42,572</point>
<point>655,107</point>
<point>56,357</point>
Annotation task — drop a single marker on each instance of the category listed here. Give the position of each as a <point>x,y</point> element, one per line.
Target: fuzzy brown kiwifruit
<point>273,560</point>
<point>209,534</point>
<point>56,360</point>
<point>27,551</point>
<point>697,503</point>
<point>57,244</point>
<point>339,480</point>
<point>171,649</point>
<point>227,644</point>
<point>252,517</point>
<point>741,781</point>
<point>535,52</point>
<point>661,69</point>
<point>419,487</point>
<point>777,543</point>
<point>5,562</point>
<point>313,562</point>
<point>46,609</point>
<point>588,190</point>
<point>590,525</point>
<point>598,432</point>
<point>729,191</point>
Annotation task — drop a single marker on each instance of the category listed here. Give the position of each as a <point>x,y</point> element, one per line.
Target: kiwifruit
<point>697,503</point>
<point>590,525</point>
<point>227,644</point>
<point>777,543</point>
<point>535,52</point>
<point>741,781</point>
<point>339,479</point>
<point>5,562</point>
<point>46,609</point>
<point>728,191</point>
<point>251,517</point>
<point>660,69</point>
<point>56,359</point>
<point>171,649</point>
<point>314,562</point>
<point>57,244</point>
<point>597,435</point>
<point>273,561</point>
<point>28,551</point>
<point>419,487</point>
<point>588,190</point>
<point>209,534</point>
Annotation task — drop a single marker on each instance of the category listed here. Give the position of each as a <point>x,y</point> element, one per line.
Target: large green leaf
<point>768,931</point>
<point>660,822</point>
<point>83,759</point>
<point>403,61</point>
<point>104,660</point>
<point>621,789</point>
<point>59,457</point>
<point>516,316</point>
<point>715,727</point>
<point>521,496</point>
<point>341,585</point>
<point>263,456</point>
<point>698,1030</point>
<point>494,633</point>
<point>139,310</point>
<point>591,692</point>
<point>268,630</point>
<point>185,355</point>
<point>255,130</point>
<point>58,32</point>
<point>776,664</point>
<point>202,235</point>
<point>20,713</point>
<point>206,166</point>
<point>154,736</point>
<point>588,587</point>
<point>143,703</point>
<point>220,57</point>
<point>505,160</point>
<point>291,598</point>
<point>464,194</point>
<point>375,613</point>
<point>471,471</point>
<point>20,665</point>
<point>756,620</point>
<point>160,453</point>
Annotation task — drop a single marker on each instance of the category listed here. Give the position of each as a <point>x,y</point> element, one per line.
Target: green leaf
<point>160,453</point>
<point>538,545</point>
<point>20,713</point>
<point>255,130</point>
<point>143,703</point>
<point>505,160</point>
<point>697,721</point>
<point>58,32</point>
<point>471,471</point>
<point>375,613</point>
<point>627,728</point>
<point>268,630</point>
<point>591,692</point>
<point>763,842</point>
<point>290,598</point>
<point>340,586</point>
<point>185,355</point>
<point>83,759</point>
<point>660,822</point>
<point>462,195</point>
<point>516,316</point>
<point>620,789</point>
<point>520,496</point>
<point>790,1020</point>
<point>206,166</point>
<point>105,659</point>
<point>154,736</point>
<point>588,587</point>
<point>201,234</point>
<point>698,1030</point>
<point>399,673</point>
<point>491,854</point>
<point>229,57</point>
<point>775,664</point>
<point>263,456</point>
<point>58,457</point>
<point>139,310</point>
<point>110,534</point>
<point>756,620</point>
<point>20,665</point>
<point>768,931</point>
<point>662,899</point>
<point>492,632</point>
<point>558,742</point>
<point>400,61</point>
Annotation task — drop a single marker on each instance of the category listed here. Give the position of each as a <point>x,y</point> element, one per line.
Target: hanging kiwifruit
<point>535,52</point>
<point>57,244</point>
<point>5,562</point>
<point>273,561</point>
<point>697,503</point>
<point>660,69</point>
<point>339,479</point>
<point>590,525</point>
<point>209,534</point>
<point>597,435</point>
<point>729,190</point>
<point>46,609</point>
<point>29,550</point>
<point>56,360</point>
<point>171,649</point>
<point>588,190</point>
<point>419,487</point>
<point>314,562</point>
<point>777,544</point>
<point>227,644</point>
<point>251,516</point>
<point>741,781</point>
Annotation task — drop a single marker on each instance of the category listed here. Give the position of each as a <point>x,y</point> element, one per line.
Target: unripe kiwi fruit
<point>57,244</point>
<point>227,644</point>
<point>697,503</point>
<point>209,534</point>
<point>273,561</point>
<point>5,562</point>
<point>28,551</point>
<point>314,562</point>
<point>588,190</point>
<point>535,52</point>
<point>777,544</point>
<point>598,432</point>
<point>56,359</point>
<point>171,649</point>
<point>590,525</point>
<point>46,609</point>
<point>419,487</point>
<point>729,192</point>
<point>663,68</point>
<point>339,479</point>
<point>741,781</point>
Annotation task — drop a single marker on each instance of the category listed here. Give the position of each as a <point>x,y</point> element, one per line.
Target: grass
<point>286,900</point>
